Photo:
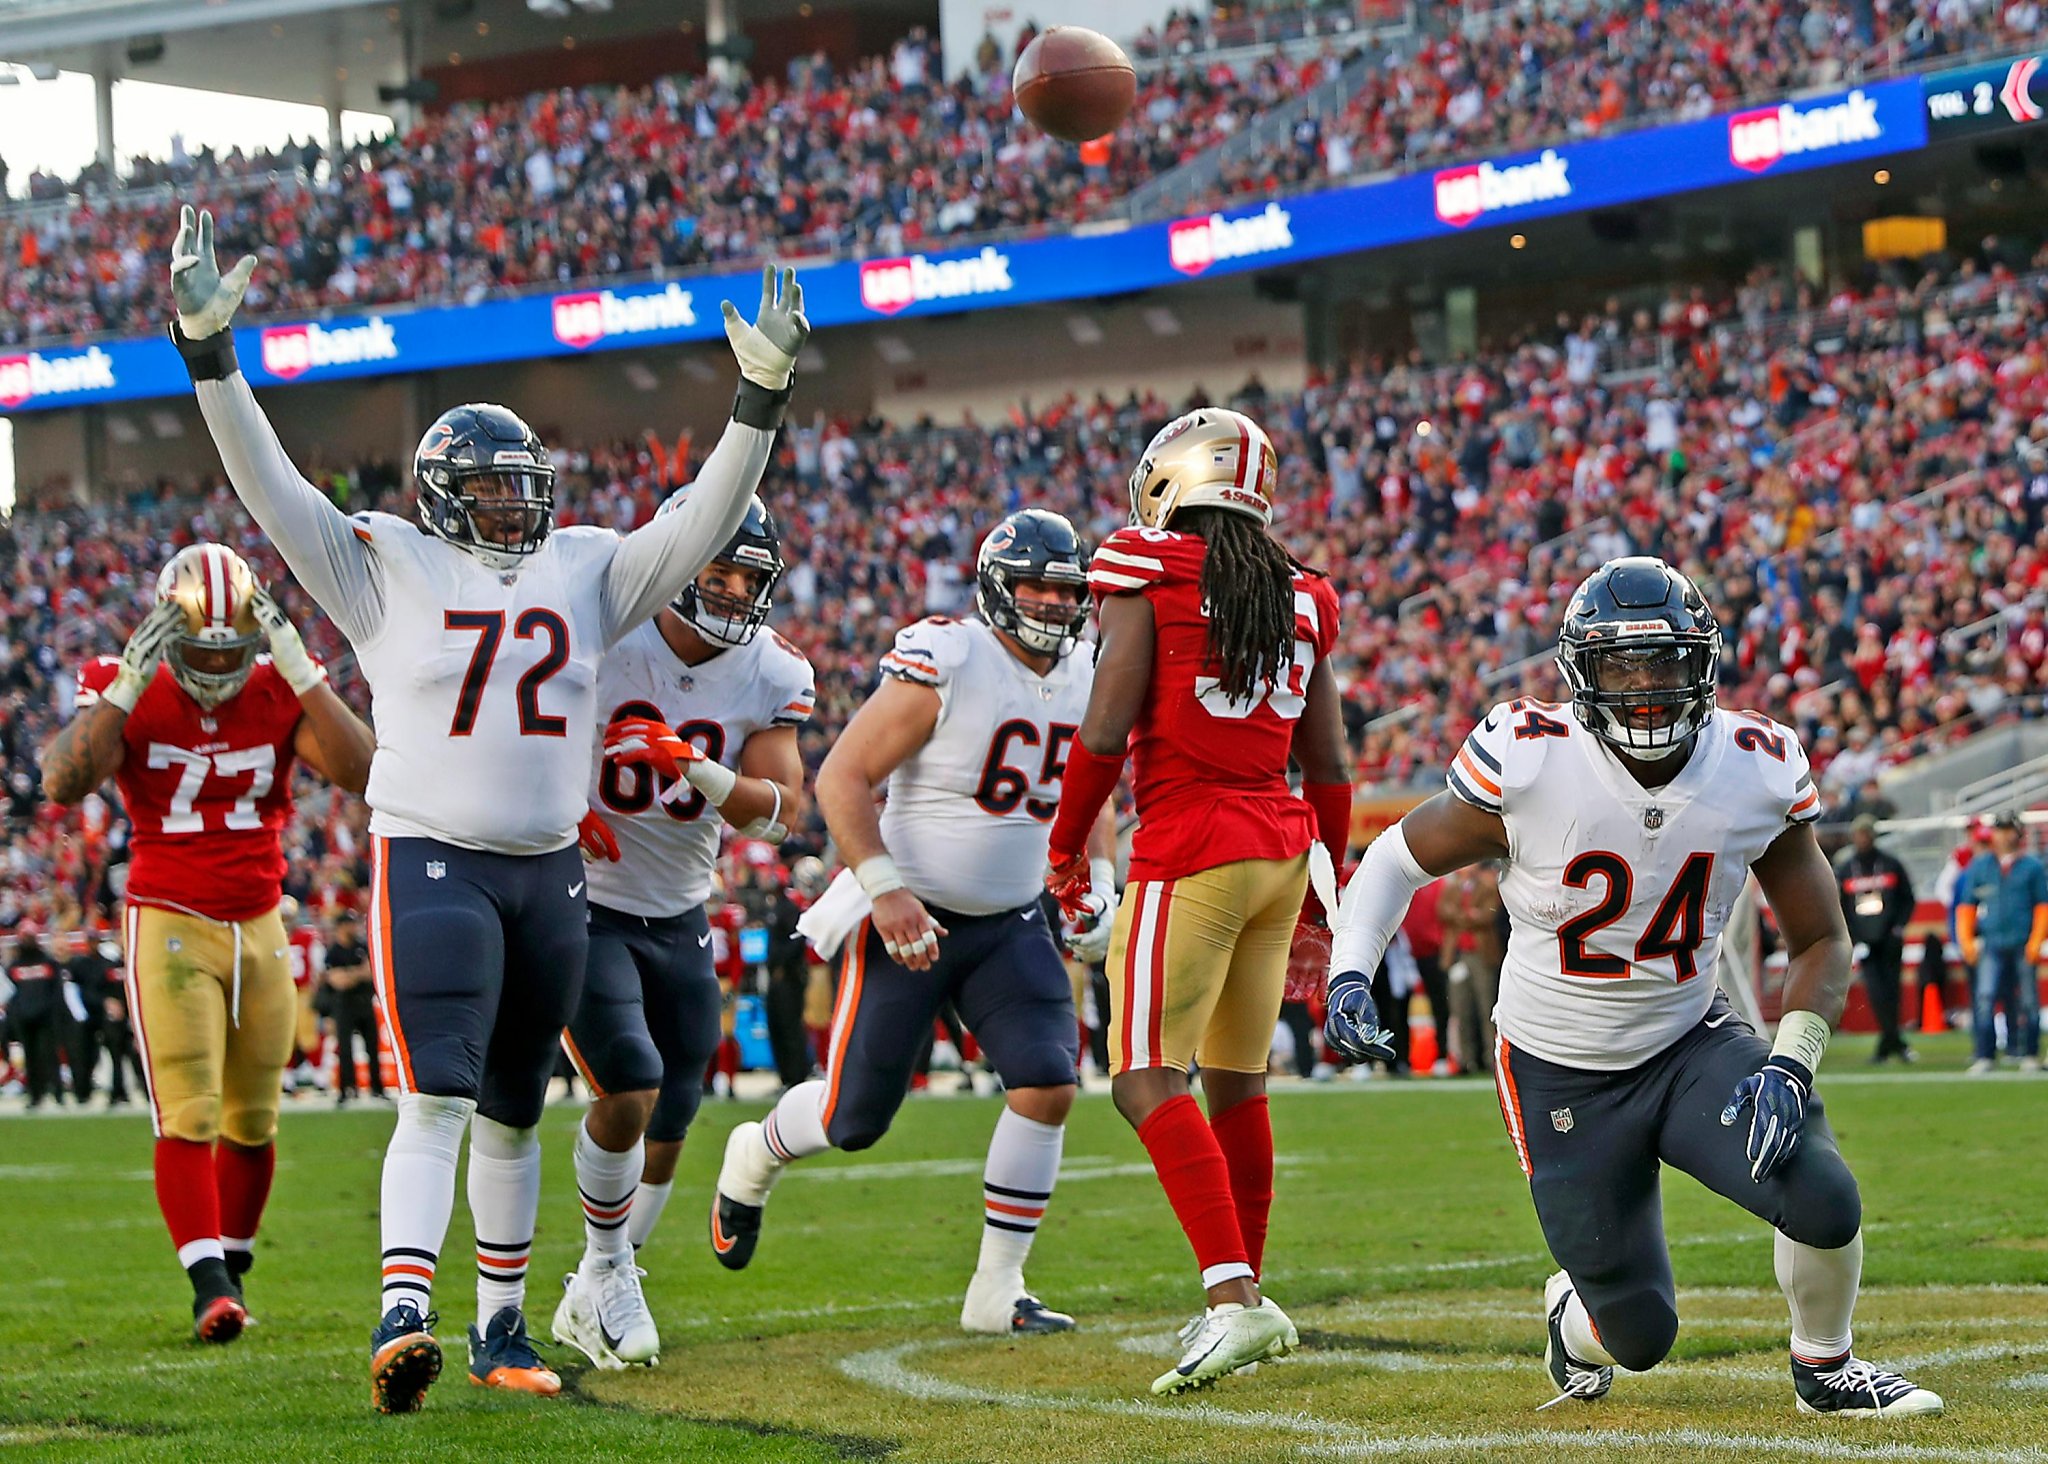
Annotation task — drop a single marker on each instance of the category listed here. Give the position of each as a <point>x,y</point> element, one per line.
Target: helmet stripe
<point>1244,452</point>
<point>216,584</point>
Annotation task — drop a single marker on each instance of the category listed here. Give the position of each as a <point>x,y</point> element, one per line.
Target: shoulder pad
<point>928,651</point>
<point>1133,560</point>
<point>1505,751</point>
<point>1775,751</point>
<point>789,673</point>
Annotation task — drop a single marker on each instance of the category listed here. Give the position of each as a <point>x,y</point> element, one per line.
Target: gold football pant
<point>214,1011</point>
<point>1197,966</point>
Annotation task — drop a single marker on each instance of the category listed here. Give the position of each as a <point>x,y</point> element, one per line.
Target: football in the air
<point>1075,83</point>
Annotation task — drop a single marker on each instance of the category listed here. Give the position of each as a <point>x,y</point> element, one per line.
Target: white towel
<point>838,913</point>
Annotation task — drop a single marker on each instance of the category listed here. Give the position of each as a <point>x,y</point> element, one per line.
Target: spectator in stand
<point>2002,926</point>
<point>347,976</point>
<point>1878,903</point>
<point>35,1012</point>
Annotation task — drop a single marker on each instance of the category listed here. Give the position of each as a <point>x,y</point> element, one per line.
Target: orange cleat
<point>404,1360</point>
<point>503,1357</point>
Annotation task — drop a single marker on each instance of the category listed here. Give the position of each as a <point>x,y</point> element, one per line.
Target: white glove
<point>287,651</point>
<point>1860,954</point>
<point>144,650</point>
<point>206,301</point>
<point>1088,938</point>
<point>768,348</point>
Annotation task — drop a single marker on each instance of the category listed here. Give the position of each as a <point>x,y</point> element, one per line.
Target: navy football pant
<point>478,960</point>
<point>1001,972</point>
<point>650,1013</point>
<point>1592,1144</point>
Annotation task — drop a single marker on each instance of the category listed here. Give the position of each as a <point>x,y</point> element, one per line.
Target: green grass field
<point>1403,1245</point>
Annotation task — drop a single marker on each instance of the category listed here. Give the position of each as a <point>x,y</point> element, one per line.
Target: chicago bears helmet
<point>1032,545</point>
<point>734,620</point>
<point>1207,458</point>
<point>485,484</point>
<point>1641,652</point>
<point>216,589</point>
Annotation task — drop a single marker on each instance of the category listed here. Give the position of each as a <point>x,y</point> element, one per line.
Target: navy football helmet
<point>1032,545</point>
<point>734,620</point>
<point>1641,652</point>
<point>485,484</point>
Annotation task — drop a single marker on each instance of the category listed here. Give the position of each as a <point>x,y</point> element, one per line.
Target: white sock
<point>419,1193</point>
<point>1820,1286</point>
<point>1579,1338</point>
<point>795,1127</point>
<point>648,1203</point>
<point>504,1203</point>
<point>606,1182</point>
<point>1016,1185</point>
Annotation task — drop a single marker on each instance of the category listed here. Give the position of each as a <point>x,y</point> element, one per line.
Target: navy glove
<point>1778,1092</point>
<point>1353,1026</point>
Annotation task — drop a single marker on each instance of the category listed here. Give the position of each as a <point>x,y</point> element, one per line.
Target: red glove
<point>594,838</point>
<point>635,741</point>
<point>1070,882</point>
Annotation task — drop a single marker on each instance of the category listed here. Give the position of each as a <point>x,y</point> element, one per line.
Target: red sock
<point>185,1193</point>
<point>729,1058</point>
<point>1245,1135</point>
<point>1197,1184</point>
<point>244,1178</point>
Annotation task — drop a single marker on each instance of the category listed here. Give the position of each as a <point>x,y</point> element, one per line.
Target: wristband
<point>713,779</point>
<point>210,358</point>
<point>1332,805</point>
<point>878,876</point>
<point>125,691</point>
<point>1803,1037</point>
<point>758,406</point>
<point>1084,787</point>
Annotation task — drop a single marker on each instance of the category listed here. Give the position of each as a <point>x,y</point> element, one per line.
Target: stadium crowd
<point>888,155</point>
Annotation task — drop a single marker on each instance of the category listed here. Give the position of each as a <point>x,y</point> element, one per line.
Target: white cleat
<point>603,1314</point>
<point>1230,1337</point>
<point>575,1325</point>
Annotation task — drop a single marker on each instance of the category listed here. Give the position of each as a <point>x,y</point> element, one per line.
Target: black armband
<point>210,358</point>
<point>757,406</point>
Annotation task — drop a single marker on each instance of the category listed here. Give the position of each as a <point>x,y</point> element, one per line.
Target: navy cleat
<point>404,1359</point>
<point>1000,1307</point>
<point>504,1357</point>
<point>745,1177</point>
<point>1849,1387</point>
<point>1572,1378</point>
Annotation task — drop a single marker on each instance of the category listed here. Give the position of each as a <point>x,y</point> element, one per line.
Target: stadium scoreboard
<point>1976,101</point>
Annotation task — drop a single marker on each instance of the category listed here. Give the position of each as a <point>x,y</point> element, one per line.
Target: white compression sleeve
<point>1374,903</point>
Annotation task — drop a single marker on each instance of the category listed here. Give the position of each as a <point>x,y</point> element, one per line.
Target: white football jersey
<point>666,849</point>
<point>476,672</point>
<point>970,813</point>
<point>1617,894</point>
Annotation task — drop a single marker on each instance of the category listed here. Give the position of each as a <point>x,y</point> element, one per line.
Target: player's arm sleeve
<point>801,699</point>
<point>1477,775</point>
<point>1127,563</point>
<point>664,554</point>
<point>1803,806</point>
<point>330,557</point>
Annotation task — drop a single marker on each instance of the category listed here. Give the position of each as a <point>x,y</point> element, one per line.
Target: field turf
<point>1403,1245</point>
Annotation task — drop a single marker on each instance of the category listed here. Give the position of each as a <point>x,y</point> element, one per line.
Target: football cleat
<point>1849,1387</point>
<point>218,1318</point>
<point>503,1357</point>
<point>748,1172</point>
<point>404,1359</point>
<point>1231,1336</point>
<point>1001,1307</point>
<point>604,1316</point>
<point>1573,1379</point>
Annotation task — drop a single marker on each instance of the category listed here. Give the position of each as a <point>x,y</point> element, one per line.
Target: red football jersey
<point>308,955</point>
<point>207,791</point>
<point>1210,774</point>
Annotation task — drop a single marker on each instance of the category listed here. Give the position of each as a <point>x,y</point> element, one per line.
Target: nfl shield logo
<point>436,869</point>
<point>1044,692</point>
<point>1653,819</point>
<point>1561,1120</point>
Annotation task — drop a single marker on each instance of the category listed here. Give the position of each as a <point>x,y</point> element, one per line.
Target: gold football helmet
<point>217,591</point>
<point>1207,458</point>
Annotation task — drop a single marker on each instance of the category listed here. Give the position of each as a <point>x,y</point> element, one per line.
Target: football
<point>1075,83</point>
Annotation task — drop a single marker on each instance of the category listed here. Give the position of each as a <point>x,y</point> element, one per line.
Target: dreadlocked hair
<point>1248,587</point>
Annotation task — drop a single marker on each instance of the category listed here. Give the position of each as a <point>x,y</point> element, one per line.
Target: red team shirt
<point>1210,775</point>
<point>207,791</point>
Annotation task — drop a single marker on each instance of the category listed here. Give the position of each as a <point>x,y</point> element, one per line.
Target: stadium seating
<point>603,181</point>
<point>1860,485</point>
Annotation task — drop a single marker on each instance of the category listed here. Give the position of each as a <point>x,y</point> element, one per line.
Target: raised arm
<point>665,554</point>
<point>314,537</point>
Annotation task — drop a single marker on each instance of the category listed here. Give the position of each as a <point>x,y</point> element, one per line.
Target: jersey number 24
<point>1676,930</point>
